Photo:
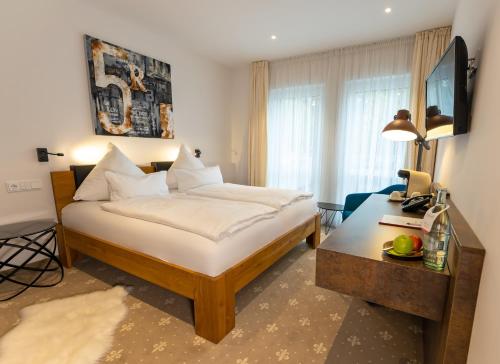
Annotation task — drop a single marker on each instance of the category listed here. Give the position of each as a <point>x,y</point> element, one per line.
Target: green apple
<point>403,244</point>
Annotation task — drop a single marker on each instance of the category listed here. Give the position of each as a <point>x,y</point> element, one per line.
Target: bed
<point>211,274</point>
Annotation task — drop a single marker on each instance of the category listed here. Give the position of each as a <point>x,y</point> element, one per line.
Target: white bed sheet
<point>181,247</point>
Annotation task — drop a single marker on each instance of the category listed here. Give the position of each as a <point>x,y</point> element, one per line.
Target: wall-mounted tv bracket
<point>472,67</point>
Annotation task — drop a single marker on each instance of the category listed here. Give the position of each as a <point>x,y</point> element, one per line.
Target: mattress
<point>181,247</point>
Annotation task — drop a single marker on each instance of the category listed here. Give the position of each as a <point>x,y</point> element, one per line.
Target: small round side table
<point>327,208</point>
<point>26,241</point>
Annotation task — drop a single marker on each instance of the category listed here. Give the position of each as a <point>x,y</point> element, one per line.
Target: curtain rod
<point>346,49</point>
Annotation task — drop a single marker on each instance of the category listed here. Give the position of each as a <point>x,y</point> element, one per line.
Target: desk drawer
<point>416,291</point>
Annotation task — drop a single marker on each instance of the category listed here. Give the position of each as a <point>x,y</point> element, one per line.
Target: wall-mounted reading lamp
<point>197,153</point>
<point>401,129</point>
<point>43,155</point>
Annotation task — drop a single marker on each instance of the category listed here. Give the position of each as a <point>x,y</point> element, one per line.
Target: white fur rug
<point>73,330</point>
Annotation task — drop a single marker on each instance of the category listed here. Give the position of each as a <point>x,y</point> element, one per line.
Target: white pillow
<point>192,178</point>
<point>122,186</point>
<point>185,160</point>
<point>94,187</point>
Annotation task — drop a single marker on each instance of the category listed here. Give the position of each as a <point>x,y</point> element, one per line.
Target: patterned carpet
<point>281,317</point>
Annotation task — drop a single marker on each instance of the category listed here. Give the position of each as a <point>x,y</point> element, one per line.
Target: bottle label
<point>429,218</point>
<point>435,259</point>
<point>440,258</point>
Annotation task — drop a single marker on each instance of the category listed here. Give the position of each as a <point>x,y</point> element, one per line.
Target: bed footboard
<point>214,297</point>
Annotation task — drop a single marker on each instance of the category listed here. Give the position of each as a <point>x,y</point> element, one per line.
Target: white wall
<point>44,97</point>
<point>469,166</point>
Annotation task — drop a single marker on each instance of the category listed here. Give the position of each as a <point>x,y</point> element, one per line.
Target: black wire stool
<point>333,208</point>
<point>31,237</point>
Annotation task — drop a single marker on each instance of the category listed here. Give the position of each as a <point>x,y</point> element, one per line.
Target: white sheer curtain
<point>335,147</point>
<point>294,154</point>
<point>368,162</point>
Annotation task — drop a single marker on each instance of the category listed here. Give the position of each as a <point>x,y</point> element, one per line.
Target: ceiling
<point>234,32</point>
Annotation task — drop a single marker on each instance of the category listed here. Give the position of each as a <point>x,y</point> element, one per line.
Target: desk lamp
<point>401,129</point>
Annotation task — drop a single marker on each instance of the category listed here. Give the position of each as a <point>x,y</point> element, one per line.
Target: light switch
<point>36,184</point>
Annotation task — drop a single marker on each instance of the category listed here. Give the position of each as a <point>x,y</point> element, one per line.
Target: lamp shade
<point>401,128</point>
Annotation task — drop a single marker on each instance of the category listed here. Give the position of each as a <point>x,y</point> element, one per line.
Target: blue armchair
<point>354,200</point>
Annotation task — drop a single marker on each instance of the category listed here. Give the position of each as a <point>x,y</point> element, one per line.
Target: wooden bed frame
<point>214,297</point>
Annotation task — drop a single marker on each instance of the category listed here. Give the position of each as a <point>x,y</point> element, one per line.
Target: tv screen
<point>446,94</point>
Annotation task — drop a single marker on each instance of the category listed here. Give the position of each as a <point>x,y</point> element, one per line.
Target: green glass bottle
<point>437,239</point>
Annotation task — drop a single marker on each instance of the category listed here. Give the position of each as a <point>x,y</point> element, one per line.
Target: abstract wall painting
<point>130,94</point>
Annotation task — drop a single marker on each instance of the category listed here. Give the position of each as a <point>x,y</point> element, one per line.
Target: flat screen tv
<point>446,94</point>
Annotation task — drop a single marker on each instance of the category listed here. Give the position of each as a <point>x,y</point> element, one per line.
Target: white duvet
<point>212,218</point>
<point>272,197</point>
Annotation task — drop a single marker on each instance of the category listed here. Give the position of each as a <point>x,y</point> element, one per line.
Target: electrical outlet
<point>23,185</point>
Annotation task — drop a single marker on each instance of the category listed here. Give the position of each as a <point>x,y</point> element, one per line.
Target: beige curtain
<point>429,47</point>
<point>257,133</point>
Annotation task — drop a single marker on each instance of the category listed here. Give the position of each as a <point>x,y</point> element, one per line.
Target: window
<point>325,117</point>
<point>295,122</point>
<point>368,162</point>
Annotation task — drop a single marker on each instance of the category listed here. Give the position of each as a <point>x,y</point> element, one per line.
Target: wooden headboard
<point>64,184</point>
<point>162,166</point>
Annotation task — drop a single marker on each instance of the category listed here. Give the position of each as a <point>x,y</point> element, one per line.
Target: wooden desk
<point>351,261</point>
